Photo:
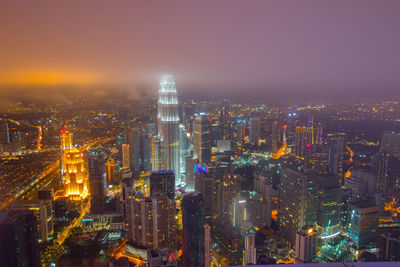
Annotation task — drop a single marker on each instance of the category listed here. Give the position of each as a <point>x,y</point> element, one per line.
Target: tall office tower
<point>228,187</point>
<point>306,244</point>
<point>254,130</point>
<point>110,171</point>
<point>259,210</point>
<point>336,151</point>
<point>168,125</point>
<point>201,139</point>
<point>303,137</point>
<point>262,201</point>
<point>204,183</point>
<point>18,239</point>
<point>382,172</point>
<point>225,120</point>
<point>75,175</point>
<point>240,132</point>
<point>42,210</point>
<point>134,150</point>
<point>240,213</point>
<point>156,152</point>
<point>330,201</point>
<point>207,245</point>
<point>125,157</point>
<point>391,143</point>
<point>216,132</point>
<point>4,132</point>
<point>193,229</point>
<point>274,136</point>
<point>97,182</point>
<point>151,221</point>
<point>190,174</point>
<point>362,223</point>
<point>263,186</point>
<point>164,183</point>
<point>297,201</point>
<point>228,242</point>
<point>145,152</point>
<point>249,252</point>
<point>128,190</point>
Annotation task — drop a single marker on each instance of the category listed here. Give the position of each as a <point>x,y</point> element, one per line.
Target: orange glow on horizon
<point>47,78</point>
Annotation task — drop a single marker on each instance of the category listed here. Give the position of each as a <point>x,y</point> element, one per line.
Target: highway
<point>44,178</point>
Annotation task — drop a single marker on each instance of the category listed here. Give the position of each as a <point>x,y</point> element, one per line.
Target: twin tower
<point>168,126</point>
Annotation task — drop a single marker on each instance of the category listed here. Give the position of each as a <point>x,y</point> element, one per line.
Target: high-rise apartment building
<point>249,257</point>
<point>151,221</point>
<point>306,244</point>
<point>297,201</point>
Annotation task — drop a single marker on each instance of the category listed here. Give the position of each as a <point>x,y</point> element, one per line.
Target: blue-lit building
<point>193,229</point>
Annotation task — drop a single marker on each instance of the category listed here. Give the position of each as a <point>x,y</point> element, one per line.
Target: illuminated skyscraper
<point>66,145</point>
<point>168,125</point>
<point>110,171</point>
<point>75,175</point>
<point>125,157</point>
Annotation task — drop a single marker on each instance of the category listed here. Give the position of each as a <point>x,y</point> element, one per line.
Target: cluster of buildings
<point>200,186</point>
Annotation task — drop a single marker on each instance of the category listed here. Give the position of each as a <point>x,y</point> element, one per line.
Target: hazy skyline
<point>300,48</point>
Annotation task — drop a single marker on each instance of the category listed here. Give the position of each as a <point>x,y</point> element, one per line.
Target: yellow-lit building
<point>75,175</point>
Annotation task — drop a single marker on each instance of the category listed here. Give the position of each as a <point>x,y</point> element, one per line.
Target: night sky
<point>278,48</point>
